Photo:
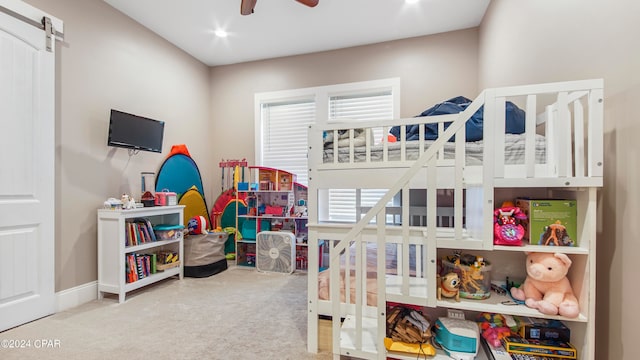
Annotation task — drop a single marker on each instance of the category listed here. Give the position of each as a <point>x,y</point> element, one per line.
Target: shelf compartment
<point>502,304</point>
<point>152,279</point>
<point>348,340</point>
<point>149,245</point>
<point>163,267</point>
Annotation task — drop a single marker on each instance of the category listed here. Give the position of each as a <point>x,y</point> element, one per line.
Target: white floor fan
<point>276,252</point>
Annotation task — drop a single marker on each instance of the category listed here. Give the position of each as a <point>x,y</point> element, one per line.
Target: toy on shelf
<point>235,173</point>
<point>493,327</point>
<point>408,330</point>
<point>507,226</point>
<point>128,202</point>
<point>556,234</point>
<point>230,203</point>
<point>449,286</point>
<point>474,273</point>
<point>300,209</point>
<point>113,204</point>
<point>547,287</point>
<point>198,225</point>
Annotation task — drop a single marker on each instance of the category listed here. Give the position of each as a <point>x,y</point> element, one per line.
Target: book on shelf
<point>549,348</point>
<point>495,353</point>
<point>152,262</point>
<point>147,228</point>
<point>139,231</point>
<point>136,232</point>
<point>131,273</point>
<point>129,238</point>
<point>145,232</point>
<point>139,266</point>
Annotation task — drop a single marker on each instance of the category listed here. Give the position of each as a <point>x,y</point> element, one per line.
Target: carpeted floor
<point>237,314</point>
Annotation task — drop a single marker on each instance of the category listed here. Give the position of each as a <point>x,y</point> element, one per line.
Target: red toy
<point>493,328</point>
<point>507,228</point>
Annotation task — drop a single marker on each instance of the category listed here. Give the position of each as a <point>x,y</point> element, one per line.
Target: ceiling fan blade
<point>309,3</point>
<point>246,7</point>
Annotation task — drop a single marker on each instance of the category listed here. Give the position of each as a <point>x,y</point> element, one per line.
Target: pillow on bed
<point>359,138</point>
<point>514,120</point>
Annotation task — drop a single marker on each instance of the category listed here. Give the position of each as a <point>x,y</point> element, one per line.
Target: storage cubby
<point>510,261</point>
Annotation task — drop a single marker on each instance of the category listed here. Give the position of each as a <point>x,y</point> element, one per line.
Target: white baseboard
<point>76,296</point>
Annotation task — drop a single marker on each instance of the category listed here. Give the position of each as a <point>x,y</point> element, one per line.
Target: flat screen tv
<point>135,132</point>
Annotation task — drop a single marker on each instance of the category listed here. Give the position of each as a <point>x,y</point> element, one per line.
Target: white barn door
<point>27,143</point>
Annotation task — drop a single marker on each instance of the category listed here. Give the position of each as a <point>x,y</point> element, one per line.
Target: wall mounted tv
<point>135,132</point>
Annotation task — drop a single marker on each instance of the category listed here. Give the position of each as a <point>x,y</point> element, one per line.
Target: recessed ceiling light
<point>221,33</point>
<point>411,1</point>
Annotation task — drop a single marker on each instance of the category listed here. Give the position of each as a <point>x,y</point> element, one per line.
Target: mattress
<point>514,151</point>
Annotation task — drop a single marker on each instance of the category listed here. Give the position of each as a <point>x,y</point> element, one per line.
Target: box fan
<point>275,252</point>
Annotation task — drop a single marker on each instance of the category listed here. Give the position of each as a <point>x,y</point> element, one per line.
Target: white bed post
<point>312,291</point>
<point>358,204</point>
<point>314,139</point>
<point>405,241</point>
<point>530,136</point>
<point>334,296</point>
<point>432,231</point>
<point>497,116</point>
<point>458,203</point>
<point>562,137</point>
<point>360,286</point>
<point>382,286</point>
<point>578,138</point>
<point>596,128</point>
<point>488,169</point>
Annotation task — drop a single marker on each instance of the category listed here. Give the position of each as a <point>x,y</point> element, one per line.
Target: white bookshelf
<point>112,249</point>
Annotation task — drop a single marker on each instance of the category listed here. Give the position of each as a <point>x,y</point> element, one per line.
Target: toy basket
<point>475,280</point>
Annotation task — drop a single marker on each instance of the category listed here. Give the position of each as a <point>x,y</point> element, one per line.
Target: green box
<point>550,222</point>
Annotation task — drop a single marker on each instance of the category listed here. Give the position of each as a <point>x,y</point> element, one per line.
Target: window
<point>284,136</point>
<point>358,107</point>
<point>282,120</point>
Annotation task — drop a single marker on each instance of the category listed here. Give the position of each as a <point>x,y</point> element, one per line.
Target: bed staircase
<point>358,327</point>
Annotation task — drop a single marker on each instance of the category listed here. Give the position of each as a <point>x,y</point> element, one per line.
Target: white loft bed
<point>560,149</point>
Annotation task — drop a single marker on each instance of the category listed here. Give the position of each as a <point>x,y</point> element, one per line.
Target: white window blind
<point>358,107</point>
<point>284,136</point>
<point>283,119</point>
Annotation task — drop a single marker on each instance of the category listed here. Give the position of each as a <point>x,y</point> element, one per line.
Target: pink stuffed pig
<point>546,287</point>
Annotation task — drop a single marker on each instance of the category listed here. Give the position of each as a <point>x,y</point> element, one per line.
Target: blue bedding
<point>514,120</point>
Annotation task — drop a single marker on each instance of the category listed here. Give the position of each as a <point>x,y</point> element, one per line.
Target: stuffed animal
<point>449,286</point>
<point>546,287</point>
<point>128,202</point>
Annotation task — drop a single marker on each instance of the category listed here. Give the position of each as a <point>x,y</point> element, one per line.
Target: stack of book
<point>139,231</point>
<point>139,266</point>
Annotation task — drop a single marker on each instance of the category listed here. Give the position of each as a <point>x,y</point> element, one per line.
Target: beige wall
<point>546,40</point>
<point>108,61</point>
<point>430,68</point>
